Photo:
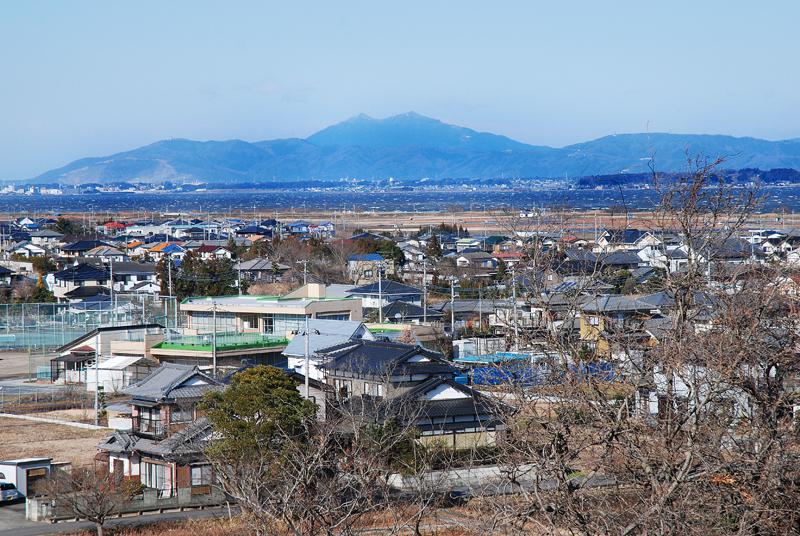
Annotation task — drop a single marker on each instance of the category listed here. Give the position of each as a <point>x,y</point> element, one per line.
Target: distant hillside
<point>411,146</point>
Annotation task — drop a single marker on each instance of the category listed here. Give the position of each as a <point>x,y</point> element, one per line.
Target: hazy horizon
<point>89,78</point>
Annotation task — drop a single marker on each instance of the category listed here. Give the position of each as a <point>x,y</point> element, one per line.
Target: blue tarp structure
<point>518,369</point>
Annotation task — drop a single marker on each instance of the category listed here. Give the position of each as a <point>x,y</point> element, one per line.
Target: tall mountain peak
<point>410,129</point>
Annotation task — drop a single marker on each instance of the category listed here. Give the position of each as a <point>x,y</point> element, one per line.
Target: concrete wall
<point>41,508</point>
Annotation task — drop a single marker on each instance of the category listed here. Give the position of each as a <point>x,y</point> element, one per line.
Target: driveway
<point>12,518</point>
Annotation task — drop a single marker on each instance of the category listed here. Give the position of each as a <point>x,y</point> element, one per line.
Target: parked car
<point>9,492</point>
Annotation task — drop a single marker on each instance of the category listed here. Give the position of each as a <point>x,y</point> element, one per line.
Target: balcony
<point>149,427</point>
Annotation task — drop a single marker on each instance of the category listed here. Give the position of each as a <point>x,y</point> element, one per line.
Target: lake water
<point>234,202</point>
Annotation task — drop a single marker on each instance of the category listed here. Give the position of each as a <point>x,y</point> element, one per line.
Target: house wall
<point>130,464</point>
<point>394,386</point>
<point>63,287</point>
<point>593,333</point>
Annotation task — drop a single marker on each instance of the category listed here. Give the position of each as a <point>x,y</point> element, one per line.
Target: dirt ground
<point>16,364</point>
<point>24,439</point>
<point>85,415</point>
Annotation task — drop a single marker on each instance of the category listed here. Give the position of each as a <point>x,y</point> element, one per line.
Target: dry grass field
<point>25,439</point>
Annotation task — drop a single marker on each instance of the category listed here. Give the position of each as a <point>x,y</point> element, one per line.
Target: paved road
<point>13,523</point>
<point>45,420</point>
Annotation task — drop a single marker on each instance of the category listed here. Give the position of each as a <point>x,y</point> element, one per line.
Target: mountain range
<point>411,147</point>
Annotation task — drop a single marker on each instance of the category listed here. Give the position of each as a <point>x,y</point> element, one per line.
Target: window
<point>281,324</point>
<point>182,413</point>
<point>594,321</point>
<point>373,389</point>
<point>334,316</point>
<point>201,475</point>
<point>204,321</point>
<point>249,321</point>
<point>343,388</point>
<point>156,476</point>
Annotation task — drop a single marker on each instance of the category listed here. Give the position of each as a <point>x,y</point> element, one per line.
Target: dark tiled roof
<point>254,229</point>
<point>623,236</point>
<point>383,358</point>
<point>87,291</point>
<point>125,268</point>
<point>616,303</point>
<point>83,245</point>
<point>580,255</point>
<point>375,236</point>
<point>620,258</point>
<point>388,287</point>
<point>164,383</point>
<point>412,406</point>
<point>261,265</point>
<point>189,442</point>
<point>407,310</point>
<point>81,272</point>
<point>119,441</point>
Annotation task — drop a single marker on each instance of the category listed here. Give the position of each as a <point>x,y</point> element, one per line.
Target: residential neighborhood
<point>439,335</point>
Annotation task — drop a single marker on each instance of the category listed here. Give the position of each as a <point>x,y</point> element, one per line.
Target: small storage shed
<point>28,474</point>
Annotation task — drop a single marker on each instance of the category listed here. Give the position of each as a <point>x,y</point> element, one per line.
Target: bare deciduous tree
<point>86,493</point>
<point>674,423</point>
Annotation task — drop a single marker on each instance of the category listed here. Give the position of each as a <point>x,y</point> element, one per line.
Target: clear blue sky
<point>88,78</point>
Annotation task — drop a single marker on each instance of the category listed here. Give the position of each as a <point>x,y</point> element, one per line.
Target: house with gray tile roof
<point>164,447</point>
<point>322,334</point>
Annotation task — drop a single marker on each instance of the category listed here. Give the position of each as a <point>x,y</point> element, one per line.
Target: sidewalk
<point>46,420</point>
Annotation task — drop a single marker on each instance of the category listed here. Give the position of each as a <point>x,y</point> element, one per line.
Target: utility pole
<point>480,310</point>
<point>424,290</point>
<point>514,300</point>
<point>113,306</point>
<point>214,337</point>
<point>307,334</point>
<point>97,378</point>
<point>304,262</point>
<point>380,293</point>
<point>169,273</point>
<point>239,275</point>
<point>308,357</point>
<point>452,310</point>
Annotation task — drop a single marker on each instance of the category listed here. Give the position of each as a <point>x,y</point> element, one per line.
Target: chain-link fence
<point>38,326</point>
<point>23,399</point>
